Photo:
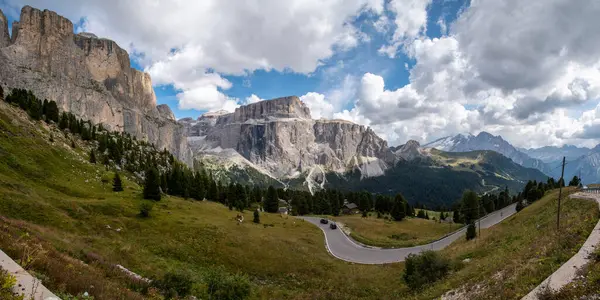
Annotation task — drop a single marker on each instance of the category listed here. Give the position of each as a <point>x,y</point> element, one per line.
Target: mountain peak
<point>284,107</point>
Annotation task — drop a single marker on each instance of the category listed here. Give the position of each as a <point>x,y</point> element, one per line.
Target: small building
<point>283,210</point>
<point>350,208</point>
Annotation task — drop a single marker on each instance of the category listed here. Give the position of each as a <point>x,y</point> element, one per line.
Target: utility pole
<point>562,174</point>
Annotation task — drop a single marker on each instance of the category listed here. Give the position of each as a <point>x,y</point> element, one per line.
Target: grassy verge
<point>513,257</point>
<point>585,286</point>
<point>390,234</point>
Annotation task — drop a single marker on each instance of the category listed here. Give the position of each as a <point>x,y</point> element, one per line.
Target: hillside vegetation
<point>62,222</point>
<point>439,181</point>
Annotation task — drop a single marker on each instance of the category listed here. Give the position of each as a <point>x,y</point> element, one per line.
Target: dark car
<point>324,221</point>
<point>332,226</point>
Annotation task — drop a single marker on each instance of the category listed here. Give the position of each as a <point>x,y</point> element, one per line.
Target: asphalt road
<point>343,247</point>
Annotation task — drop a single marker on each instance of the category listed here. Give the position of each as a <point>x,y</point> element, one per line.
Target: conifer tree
<point>92,157</point>
<point>52,111</point>
<point>399,208</point>
<point>471,231</point>
<point>117,183</point>
<point>45,107</point>
<point>256,217</point>
<point>152,185</point>
<point>272,200</point>
<point>64,121</point>
<point>213,191</point>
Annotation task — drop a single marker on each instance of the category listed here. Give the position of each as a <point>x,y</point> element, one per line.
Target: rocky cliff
<point>279,136</point>
<point>88,76</point>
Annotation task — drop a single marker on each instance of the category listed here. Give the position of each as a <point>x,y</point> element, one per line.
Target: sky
<point>413,69</point>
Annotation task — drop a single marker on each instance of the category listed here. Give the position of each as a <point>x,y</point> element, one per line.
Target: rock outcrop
<point>279,136</point>
<point>88,76</point>
<point>4,37</point>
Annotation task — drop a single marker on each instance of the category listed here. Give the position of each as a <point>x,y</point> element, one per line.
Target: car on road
<point>324,221</point>
<point>332,226</point>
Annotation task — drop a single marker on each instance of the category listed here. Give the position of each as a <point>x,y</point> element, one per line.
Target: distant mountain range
<point>580,160</point>
<point>437,178</point>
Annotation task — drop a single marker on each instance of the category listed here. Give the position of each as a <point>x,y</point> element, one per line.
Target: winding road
<point>343,247</point>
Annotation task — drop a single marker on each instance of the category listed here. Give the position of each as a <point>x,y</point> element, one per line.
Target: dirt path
<point>27,285</point>
<point>567,272</point>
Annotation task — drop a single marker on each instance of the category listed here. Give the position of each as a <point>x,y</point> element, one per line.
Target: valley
<point>115,186</point>
<point>85,228</point>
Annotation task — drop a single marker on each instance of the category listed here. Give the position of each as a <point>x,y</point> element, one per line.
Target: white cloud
<point>410,22</point>
<point>225,37</point>
<point>319,107</point>
<point>252,99</point>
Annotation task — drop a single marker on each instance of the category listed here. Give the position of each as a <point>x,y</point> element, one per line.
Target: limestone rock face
<point>279,136</point>
<point>88,76</point>
<point>4,37</point>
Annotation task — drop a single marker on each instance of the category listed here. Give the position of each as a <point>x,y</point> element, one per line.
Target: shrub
<point>471,232</point>
<point>223,286</point>
<point>424,268</point>
<point>520,206</point>
<point>175,285</point>
<point>7,282</point>
<point>256,217</point>
<point>145,209</point>
<point>117,183</point>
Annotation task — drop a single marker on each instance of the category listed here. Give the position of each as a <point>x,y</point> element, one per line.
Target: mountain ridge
<point>88,76</point>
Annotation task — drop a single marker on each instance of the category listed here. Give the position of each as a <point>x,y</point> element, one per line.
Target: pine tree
<point>256,217</point>
<point>52,111</point>
<point>92,157</point>
<point>213,191</point>
<point>152,185</point>
<point>117,183</point>
<point>575,181</point>
<point>399,208</point>
<point>45,107</point>
<point>470,206</point>
<point>471,231</point>
<point>272,200</point>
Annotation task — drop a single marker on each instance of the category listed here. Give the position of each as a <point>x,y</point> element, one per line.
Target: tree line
<point>161,173</point>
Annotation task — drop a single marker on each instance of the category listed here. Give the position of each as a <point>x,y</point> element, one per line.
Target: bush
<point>471,232</point>
<point>424,268</point>
<point>145,209</point>
<point>256,217</point>
<point>7,282</point>
<point>520,206</point>
<point>175,285</point>
<point>223,286</point>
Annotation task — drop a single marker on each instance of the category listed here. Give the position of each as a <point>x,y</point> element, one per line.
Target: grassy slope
<point>515,256</point>
<point>385,233</point>
<point>51,192</point>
